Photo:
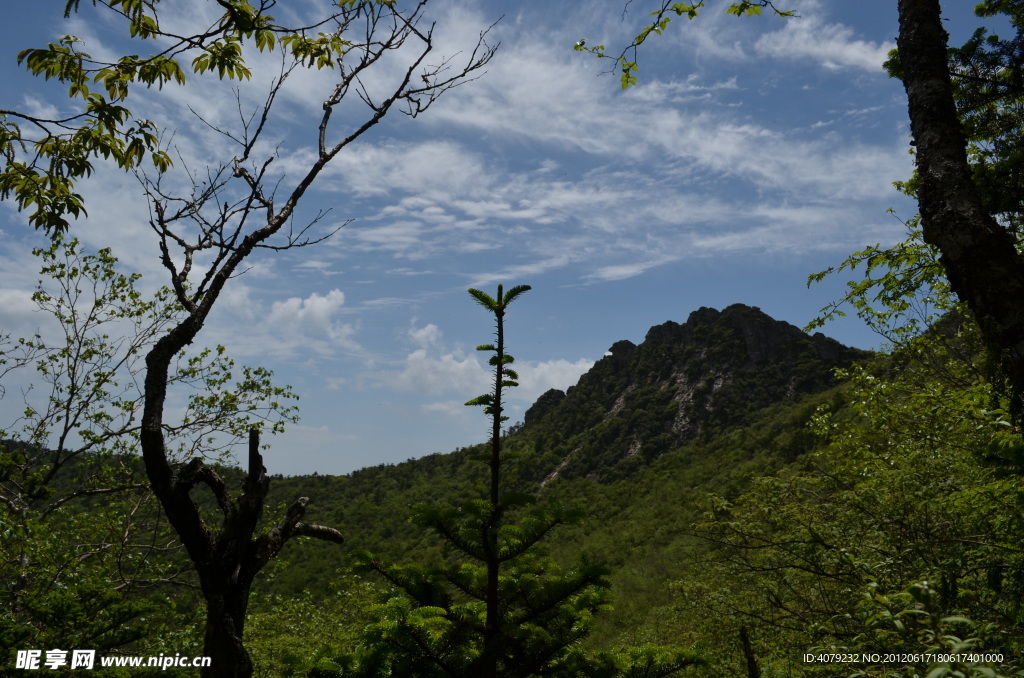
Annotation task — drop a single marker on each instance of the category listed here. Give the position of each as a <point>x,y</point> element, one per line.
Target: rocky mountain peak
<point>682,381</point>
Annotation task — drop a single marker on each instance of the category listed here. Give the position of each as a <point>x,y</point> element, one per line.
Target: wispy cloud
<point>745,140</point>
<point>832,46</point>
<point>426,336</point>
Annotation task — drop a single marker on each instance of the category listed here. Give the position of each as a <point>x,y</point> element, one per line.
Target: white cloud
<point>314,311</point>
<point>237,299</point>
<point>319,265</point>
<point>832,46</point>
<point>41,109</point>
<point>429,169</point>
<point>309,324</point>
<point>435,375</point>
<point>521,271</point>
<point>20,317</point>
<point>401,237</point>
<point>624,271</point>
<point>426,336</point>
<point>676,92</point>
<point>449,408</point>
<point>536,378</point>
<point>783,163</point>
<point>441,373</point>
<point>452,373</point>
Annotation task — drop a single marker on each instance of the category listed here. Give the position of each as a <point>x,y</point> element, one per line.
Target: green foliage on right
<point>902,536</point>
<point>903,290</point>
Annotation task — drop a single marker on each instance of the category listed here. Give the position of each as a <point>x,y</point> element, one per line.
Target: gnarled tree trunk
<point>228,560</point>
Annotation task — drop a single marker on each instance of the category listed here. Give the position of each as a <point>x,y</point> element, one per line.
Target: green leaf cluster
<point>901,291</point>
<point>626,61</point>
<point>42,159</point>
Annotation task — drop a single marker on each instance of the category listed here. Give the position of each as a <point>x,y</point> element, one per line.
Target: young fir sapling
<point>499,607</point>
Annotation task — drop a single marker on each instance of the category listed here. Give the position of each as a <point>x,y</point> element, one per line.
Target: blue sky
<point>753,153</point>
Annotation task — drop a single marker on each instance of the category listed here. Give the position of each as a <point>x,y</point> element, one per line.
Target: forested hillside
<point>669,403</point>
<point>637,447</point>
<point>806,513</point>
<point>878,512</point>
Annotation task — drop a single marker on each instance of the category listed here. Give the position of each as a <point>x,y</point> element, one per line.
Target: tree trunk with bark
<point>226,561</point>
<point>980,257</point>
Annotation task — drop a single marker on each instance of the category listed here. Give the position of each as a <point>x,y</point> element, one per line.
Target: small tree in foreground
<point>501,607</point>
<point>86,560</point>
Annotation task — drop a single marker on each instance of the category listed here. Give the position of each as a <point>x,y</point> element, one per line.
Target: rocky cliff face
<point>681,382</point>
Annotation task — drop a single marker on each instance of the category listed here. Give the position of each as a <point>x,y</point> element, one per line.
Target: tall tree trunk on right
<point>980,257</point>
